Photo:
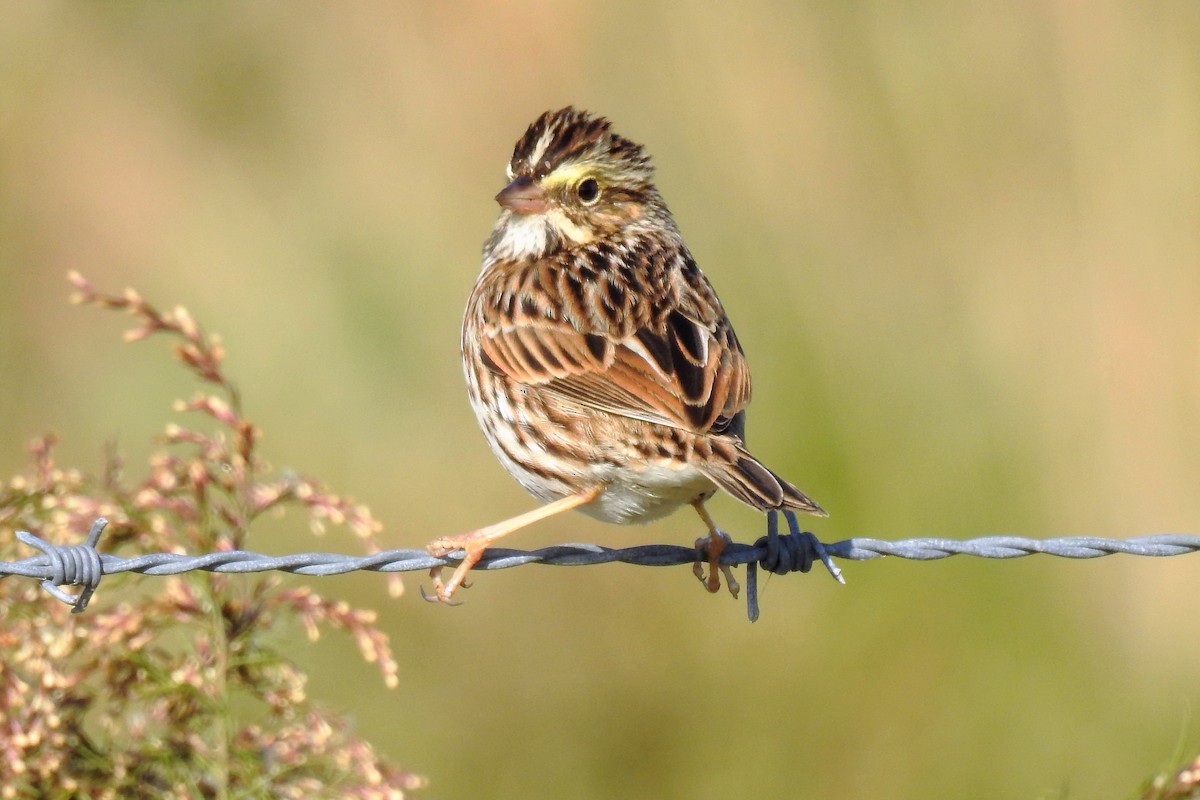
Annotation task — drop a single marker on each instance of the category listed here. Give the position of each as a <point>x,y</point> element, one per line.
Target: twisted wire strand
<point>795,551</point>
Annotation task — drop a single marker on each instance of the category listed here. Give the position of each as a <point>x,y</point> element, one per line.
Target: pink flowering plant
<point>175,689</point>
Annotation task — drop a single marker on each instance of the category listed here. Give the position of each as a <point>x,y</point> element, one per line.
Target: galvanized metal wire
<point>796,551</point>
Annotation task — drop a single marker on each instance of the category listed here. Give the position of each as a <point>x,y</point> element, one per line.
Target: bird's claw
<point>438,596</point>
<point>709,548</point>
<point>443,592</point>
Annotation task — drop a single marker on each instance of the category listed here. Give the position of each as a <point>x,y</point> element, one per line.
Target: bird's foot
<point>472,547</point>
<point>474,544</point>
<point>709,548</point>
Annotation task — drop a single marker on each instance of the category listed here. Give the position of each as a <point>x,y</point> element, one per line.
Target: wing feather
<point>668,355</point>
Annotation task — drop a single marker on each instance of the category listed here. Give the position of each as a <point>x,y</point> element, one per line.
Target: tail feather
<point>745,477</point>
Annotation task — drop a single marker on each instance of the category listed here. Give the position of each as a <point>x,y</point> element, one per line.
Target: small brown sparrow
<point>599,361</point>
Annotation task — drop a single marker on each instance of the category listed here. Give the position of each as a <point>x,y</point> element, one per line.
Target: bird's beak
<point>523,196</point>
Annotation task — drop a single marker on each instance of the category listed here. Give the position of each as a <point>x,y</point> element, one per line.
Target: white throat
<point>528,236</point>
<point>522,236</point>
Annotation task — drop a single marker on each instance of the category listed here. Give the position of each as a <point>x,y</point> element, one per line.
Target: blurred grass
<point>961,243</point>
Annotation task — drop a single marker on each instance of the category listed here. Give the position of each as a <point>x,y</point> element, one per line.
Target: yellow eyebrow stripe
<point>566,175</point>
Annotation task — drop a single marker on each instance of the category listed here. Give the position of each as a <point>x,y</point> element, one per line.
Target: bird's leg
<point>475,542</point>
<point>714,545</point>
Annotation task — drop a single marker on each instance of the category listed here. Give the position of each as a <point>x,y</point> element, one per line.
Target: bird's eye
<point>588,190</point>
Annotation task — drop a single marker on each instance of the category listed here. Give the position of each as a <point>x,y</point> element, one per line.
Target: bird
<point>600,364</point>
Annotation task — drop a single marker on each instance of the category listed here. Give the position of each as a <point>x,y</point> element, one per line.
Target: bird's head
<point>572,180</point>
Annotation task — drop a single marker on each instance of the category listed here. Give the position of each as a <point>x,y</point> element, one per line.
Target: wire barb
<point>69,565</point>
<point>792,552</point>
<point>795,551</point>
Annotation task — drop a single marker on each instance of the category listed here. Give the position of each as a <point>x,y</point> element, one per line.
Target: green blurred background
<point>960,242</point>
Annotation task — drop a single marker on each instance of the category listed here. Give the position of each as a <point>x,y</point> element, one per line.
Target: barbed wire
<point>795,551</point>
